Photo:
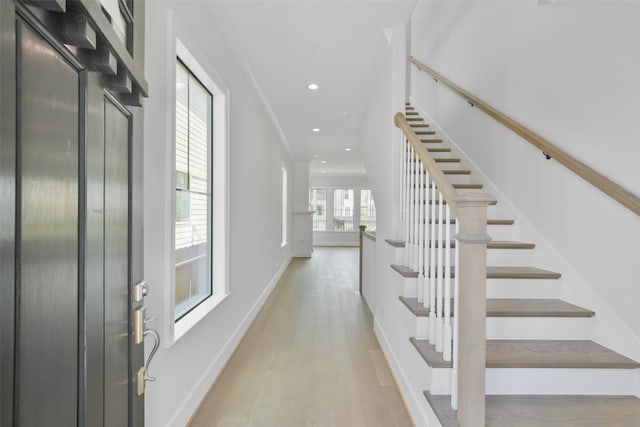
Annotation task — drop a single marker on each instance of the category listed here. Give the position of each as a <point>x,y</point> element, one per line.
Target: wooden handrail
<point>604,184</point>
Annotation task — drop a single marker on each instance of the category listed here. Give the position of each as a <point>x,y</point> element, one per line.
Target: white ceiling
<point>289,44</point>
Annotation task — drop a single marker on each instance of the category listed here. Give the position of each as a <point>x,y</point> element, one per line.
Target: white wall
<point>381,145</point>
<point>331,182</point>
<point>186,369</point>
<point>302,240</point>
<point>569,72</point>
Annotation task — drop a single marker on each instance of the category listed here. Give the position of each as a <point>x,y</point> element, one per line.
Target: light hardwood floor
<point>310,358</point>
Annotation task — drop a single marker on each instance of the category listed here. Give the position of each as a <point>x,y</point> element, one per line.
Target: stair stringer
<point>609,330</point>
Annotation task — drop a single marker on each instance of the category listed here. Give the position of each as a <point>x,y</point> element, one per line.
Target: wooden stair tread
<point>519,272</point>
<point>419,125</point>
<point>437,202</point>
<point>547,411</point>
<point>431,141</point>
<point>494,244</point>
<point>448,160</point>
<point>554,354</point>
<point>489,221</point>
<point>458,186</point>
<point>538,354</point>
<point>395,243</point>
<point>439,150</point>
<point>425,132</point>
<point>494,272</point>
<point>456,171</point>
<point>429,354</point>
<point>511,307</point>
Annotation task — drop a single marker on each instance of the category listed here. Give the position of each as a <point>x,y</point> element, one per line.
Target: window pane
<point>182,122</point>
<point>193,195</point>
<point>199,135</point>
<point>318,203</point>
<point>367,209</point>
<point>283,212</point>
<point>343,210</point>
<point>192,277</point>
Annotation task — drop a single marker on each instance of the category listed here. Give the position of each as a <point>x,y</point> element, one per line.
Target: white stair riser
<point>509,256</point>
<point>560,381</point>
<point>615,382</point>
<point>539,328</point>
<point>408,287</point>
<point>523,288</point>
<point>440,381</point>
<point>494,256</point>
<point>497,288</point>
<point>397,255</point>
<point>525,328</point>
<point>497,232</point>
<point>422,328</point>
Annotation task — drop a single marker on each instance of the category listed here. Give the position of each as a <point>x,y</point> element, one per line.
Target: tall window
<point>343,209</point>
<point>318,203</point>
<point>367,209</point>
<point>283,214</point>
<point>193,192</point>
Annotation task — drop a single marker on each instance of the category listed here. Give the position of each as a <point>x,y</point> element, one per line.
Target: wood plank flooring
<point>310,358</point>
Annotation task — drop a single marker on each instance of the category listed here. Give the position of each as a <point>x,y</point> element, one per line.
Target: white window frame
<point>284,223</point>
<point>174,330</point>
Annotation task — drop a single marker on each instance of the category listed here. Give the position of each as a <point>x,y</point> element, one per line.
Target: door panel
<point>116,263</point>
<point>48,233</point>
<point>95,252</point>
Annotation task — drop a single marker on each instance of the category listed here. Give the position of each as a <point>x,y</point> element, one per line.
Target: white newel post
<point>472,239</point>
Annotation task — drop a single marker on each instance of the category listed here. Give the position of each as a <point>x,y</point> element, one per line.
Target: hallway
<point>310,358</point>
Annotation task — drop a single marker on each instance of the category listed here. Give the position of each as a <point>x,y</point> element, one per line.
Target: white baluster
<point>426,243</point>
<point>405,193</point>
<point>432,267</point>
<point>403,148</point>
<point>441,273</point>
<point>416,210</point>
<point>421,201</point>
<point>456,291</point>
<point>412,225</point>
<point>446,353</point>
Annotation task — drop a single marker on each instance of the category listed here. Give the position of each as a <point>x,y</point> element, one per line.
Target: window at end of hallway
<point>283,213</point>
<point>343,209</point>
<point>367,210</point>
<point>318,204</point>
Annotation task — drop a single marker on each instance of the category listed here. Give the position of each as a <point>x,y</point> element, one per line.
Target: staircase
<point>542,369</point>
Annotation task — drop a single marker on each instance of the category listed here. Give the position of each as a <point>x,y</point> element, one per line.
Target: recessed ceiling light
<point>323,161</point>
<point>347,149</point>
<point>346,114</point>
<point>316,130</point>
<point>316,156</point>
<point>324,171</point>
<point>313,86</point>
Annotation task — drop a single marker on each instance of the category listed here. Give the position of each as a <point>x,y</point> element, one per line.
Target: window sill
<point>184,325</point>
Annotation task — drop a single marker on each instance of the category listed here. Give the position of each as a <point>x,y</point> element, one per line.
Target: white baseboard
<point>192,402</point>
<point>341,244</point>
<point>305,254</point>
<point>416,403</point>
